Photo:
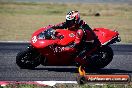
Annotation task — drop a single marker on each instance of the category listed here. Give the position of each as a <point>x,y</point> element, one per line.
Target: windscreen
<point>47,34</point>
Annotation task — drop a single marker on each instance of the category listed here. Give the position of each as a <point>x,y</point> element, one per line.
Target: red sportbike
<point>47,44</point>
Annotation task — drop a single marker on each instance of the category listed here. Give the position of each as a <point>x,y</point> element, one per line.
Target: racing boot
<point>81,71</point>
<point>81,79</point>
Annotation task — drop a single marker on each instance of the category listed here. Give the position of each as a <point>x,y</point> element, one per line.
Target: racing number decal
<point>34,39</point>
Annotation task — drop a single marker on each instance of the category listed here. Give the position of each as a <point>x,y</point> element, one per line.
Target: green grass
<point>19,20</point>
<point>69,86</point>
<point>22,86</point>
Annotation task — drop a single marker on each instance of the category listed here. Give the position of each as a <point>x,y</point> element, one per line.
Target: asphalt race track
<point>121,64</point>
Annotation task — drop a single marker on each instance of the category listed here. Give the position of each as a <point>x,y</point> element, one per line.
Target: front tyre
<point>28,59</point>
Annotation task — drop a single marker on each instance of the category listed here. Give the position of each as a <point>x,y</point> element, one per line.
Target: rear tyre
<point>28,59</point>
<point>101,59</point>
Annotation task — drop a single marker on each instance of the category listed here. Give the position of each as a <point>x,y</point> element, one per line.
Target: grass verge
<point>19,20</point>
<point>68,86</point>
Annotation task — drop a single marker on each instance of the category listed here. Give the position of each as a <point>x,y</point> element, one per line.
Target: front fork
<point>30,47</point>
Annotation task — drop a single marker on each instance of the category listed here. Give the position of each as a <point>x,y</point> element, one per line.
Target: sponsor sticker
<point>108,78</point>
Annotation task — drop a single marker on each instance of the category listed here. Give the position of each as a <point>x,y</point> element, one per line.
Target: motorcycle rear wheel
<point>102,58</point>
<point>27,59</point>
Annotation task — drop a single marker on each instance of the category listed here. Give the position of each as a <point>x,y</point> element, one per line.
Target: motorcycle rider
<point>74,23</point>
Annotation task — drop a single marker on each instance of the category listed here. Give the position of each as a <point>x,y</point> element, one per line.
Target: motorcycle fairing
<point>105,35</point>
<point>41,43</point>
<point>68,37</point>
<point>57,58</point>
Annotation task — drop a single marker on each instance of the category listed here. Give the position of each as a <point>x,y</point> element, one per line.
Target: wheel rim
<point>101,58</point>
<point>103,55</point>
<point>29,60</point>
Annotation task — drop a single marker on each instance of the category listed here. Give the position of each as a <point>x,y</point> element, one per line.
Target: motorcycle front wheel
<point>28,59</point>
